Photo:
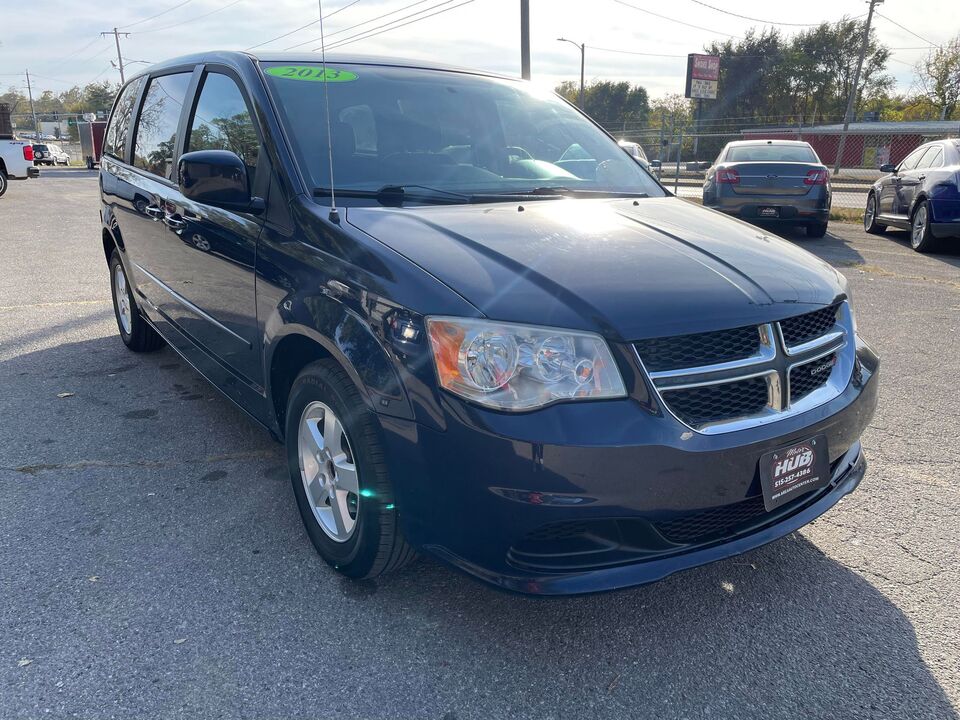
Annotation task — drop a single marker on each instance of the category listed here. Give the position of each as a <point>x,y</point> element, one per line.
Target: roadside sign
<point>703,72</point>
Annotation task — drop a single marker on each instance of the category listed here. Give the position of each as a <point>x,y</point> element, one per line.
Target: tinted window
<point>931,158</point>
<point>771,153</point>
<point>452,131</point>
<point>115,139</point>
<point>222,121</point>
<point>157,125</point>
<point>910,162</point>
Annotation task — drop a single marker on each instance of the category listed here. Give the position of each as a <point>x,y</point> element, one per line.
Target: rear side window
<point>772,153</point>
<point>910,162</point>
<point>222,121</point>
<point>157,125</point>
<point>932,158</point>
<point>115,139</point>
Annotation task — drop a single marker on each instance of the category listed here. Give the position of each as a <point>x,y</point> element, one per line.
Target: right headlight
<point>508,366</point>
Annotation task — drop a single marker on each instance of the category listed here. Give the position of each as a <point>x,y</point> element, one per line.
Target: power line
<point>303,27</point>
<point>365,22</point>
<point>753,19</point>
<point>673,20</point>
<point>189,20</point>
<point>631,52</point>
<point>78,51</point>
<point>371,33</point>
<point>153,17</point>
<point>919,37</point>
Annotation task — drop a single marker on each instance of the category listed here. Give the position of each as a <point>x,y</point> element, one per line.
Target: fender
<point>347,338</point>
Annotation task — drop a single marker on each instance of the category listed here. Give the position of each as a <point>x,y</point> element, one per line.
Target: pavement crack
<point>36,469</point>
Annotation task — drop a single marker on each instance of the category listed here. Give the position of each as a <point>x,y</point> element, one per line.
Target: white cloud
<point>482,34</point>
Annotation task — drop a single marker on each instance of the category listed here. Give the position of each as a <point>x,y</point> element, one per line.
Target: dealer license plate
<point>795,470</point>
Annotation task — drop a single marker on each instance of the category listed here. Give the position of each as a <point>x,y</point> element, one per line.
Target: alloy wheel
<point>869,213</point>
<point>328,471</point>
<point>122,297</point>
<point>919,226</point>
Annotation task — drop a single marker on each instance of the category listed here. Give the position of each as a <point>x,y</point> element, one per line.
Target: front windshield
<point>453,132</point>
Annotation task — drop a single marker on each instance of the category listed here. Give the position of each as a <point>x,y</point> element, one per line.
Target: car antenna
<point>334,214</point>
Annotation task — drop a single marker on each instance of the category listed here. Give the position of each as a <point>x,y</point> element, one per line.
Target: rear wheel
<point>136,333</point>
<point>3,182</point>
<point>339,474</point>
<point>816,230</point>
<point>921,238</point>
<point>870,223</point>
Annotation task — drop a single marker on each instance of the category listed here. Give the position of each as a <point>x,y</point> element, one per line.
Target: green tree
<point>615,105</point>
<point>937,78</point>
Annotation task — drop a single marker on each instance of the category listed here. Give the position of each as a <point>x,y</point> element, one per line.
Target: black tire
<point>376,545</point>
<point>3,182</point>
<point>141,337</point>
<point>870,223</point>
<point>816,230</point>
<point>922,239</point>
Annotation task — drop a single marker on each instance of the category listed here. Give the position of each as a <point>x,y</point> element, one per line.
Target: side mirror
<point>218,178</point>
<point>656,164</point>
<point>888,168</point>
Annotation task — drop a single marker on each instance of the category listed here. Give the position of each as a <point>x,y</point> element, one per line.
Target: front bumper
<point>484,493</point>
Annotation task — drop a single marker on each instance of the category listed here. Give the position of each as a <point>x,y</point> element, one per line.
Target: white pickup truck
<point>16,162</point>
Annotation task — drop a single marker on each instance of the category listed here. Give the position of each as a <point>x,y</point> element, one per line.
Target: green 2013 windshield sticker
<point>311,73</point>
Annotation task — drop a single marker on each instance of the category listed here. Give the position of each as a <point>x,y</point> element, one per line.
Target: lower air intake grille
<point>803,328</point>
<point>699,406</point>
<point>702,526</point>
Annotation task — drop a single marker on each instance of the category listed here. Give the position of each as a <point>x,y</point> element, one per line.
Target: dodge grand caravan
<point>481,329</point>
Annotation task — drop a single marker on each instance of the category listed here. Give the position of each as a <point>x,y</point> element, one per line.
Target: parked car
<point>635,150</point>
<point>16,161</point>
<point>42,155</point>
<point>58,156</point>
<point>480,329</point>
<point>771,181</point>
<point>921,194</point>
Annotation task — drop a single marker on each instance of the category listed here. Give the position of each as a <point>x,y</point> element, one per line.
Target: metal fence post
<point>676,178</point>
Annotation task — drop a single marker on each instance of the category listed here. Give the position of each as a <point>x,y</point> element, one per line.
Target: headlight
<point>519,367</point>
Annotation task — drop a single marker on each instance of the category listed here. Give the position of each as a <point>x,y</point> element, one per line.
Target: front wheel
<point>921,237</point>
<point>870,223</point>
<point>339,474</point>
<point>3,182</point>
<point>136,333</point>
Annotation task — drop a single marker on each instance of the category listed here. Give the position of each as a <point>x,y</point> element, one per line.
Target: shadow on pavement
<point>211,550</point>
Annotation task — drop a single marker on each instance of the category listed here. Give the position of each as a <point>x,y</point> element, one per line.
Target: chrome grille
<point>730,379</point>
<point>704,404</point>
<point>687,351</point>
<point>806,378</point>
<point>804,328</point>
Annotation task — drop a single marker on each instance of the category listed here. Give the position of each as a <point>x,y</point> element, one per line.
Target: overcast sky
<point>58,40</point>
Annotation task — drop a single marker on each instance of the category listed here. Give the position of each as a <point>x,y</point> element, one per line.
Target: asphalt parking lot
<point>153,564</point>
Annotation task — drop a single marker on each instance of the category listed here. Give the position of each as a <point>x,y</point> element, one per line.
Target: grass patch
<point>846,215</point>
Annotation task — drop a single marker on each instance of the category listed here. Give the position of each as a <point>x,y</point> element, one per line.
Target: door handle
<point>921,177</point>
<point>174,222</point>
<point>154,211</point>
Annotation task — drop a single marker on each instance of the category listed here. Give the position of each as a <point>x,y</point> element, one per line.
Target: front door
<point>213,251</point>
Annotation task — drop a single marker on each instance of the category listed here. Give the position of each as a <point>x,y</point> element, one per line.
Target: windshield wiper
<point>555,190</point>
<point>396,194</point>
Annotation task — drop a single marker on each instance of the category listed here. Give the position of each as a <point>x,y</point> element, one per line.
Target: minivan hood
<point>627,269</point>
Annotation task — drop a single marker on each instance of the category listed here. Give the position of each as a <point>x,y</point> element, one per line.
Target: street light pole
<point>851,100</point>
<point>525,39</point>
<point>582,47</point>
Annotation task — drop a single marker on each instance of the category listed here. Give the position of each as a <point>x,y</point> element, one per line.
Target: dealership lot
<point>152,562</point>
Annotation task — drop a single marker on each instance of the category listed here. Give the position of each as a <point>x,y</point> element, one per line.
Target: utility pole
<point>116,37</point>
<point>851,101</point>
<point>582,47</point>
<point>33,111</point>
<point>525,39</point>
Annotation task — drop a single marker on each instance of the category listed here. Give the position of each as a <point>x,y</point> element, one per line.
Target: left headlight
<point>520,367</point>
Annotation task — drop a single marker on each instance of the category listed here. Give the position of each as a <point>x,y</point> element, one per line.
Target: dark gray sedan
<point>771,181</point>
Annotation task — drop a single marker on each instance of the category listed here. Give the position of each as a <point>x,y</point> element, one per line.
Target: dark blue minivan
<point>481,329</point>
